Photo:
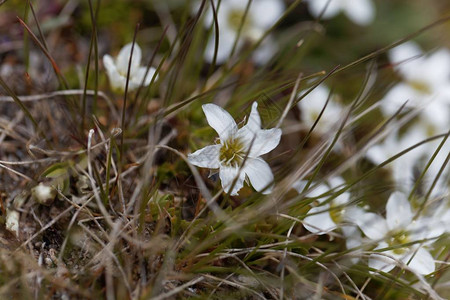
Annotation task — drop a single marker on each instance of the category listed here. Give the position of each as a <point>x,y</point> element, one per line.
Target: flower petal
<point>422,262</point>
<point>207,157</point>
<point>398,95</point>
<point>405,51</point>
<point>352,236</point>
<point>361,12</point>
<point>398,211</point>
<point>124,57</point>
<point>318,220</point>
<point>382,262</point>
<point>220,120</point>
<point>228,175</point>
<point>259,174</point>
<point>226,41</point>
<point>254,120</point>
<point>108,63</point>
<point>316,7</point>
<point>264,13</point>
<point>139,76</point>
<point>372,225</point>
<point>261,141</point>
<point>426,228</point>
<point>116,81</point>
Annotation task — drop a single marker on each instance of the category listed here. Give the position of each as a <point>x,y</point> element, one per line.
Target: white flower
<point>399,228</point>
<point>325,216</point>
<point>426,81</point>
<point>237,146</point>
<point>117,69</point>
<point>261,15</point>
<point>406,166</point>
<point>361,12</point>
<point>337,213</point>
<point>312,105</point>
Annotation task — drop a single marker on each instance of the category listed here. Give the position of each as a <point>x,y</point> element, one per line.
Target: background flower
<point>425,84</point>
<point>261,15</point>
<point>400,230</point>
<point>361,12</point>
<point>117,69</point>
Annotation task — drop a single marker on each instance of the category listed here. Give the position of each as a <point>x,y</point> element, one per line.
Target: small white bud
<point>43,194</point>
<point>12,221</point>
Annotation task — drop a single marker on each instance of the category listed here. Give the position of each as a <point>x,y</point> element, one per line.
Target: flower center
<point>399,239</point>
<point>232,152</point>
<point>420,86</point>
<point>235,19</point>
<point>336,213</point>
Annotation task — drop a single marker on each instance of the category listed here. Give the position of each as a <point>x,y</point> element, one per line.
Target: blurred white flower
<point>426,83</point>
<point>361,12</point>
<point>117,69</point>
<point>261,15</point>
<point>237,155</point>
<point>400,230</point>
<point>406,168</point>
<point>313,104</point>
<point>328,216</point>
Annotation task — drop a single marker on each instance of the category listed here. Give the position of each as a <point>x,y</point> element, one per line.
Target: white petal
<point>398,95</point>
<point>219,119</point>
<point>139,76</point>
<point>436,113</point>
<point>264,53</point>
<point>260,141</point>
<point>426,228</point>
<point>316,7</point>
<point>318,191</point>
<point>228,175</point>
<point>405,51</point>
<point>398,211</point>
<point>264,13</point>
<point>124,57</point>
<point>342,200</point>
<point>422,262</point>
<point>318,220</point>
<point>352,236</point>
<point>226,41</point>
<point>377,153</point>
<point>381,262</point>
<point>436,68</point>
<point>361,12</point>
<point>108,63</point>
<point>207,157</point>
<point>133,84</point>
<point>116,80</point>
<point>353,213</point>
<point>372,225</point>
<point>254,120</point>
<point>313,105</point>
<point>299,185</point>
<point>259,174</point>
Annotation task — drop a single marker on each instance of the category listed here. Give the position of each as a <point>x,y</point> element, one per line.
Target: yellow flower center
<point>397,240</point>
<point>336,213</point>
<point>235,19</point>
<point>232,153</point>
<point>420,86</point>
